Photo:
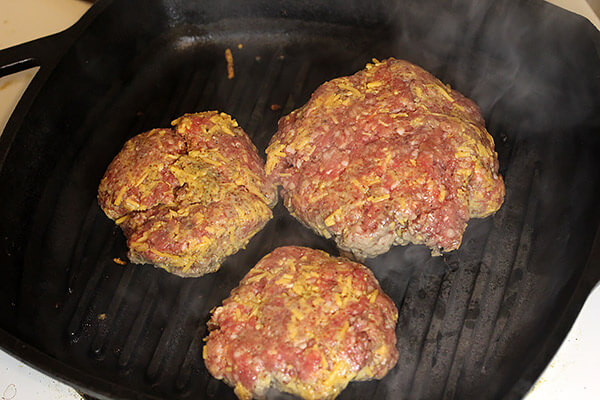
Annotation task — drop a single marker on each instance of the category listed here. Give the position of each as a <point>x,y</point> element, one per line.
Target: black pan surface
<point>480,322</point>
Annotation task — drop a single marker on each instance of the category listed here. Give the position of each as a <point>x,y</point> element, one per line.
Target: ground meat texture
<point>188,197</point>
<point>387,156</point>
<point>305,323</point>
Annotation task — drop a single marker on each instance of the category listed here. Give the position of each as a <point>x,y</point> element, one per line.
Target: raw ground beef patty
<point>386,156</point>
<point>303,322</point>
<point>190,196</point>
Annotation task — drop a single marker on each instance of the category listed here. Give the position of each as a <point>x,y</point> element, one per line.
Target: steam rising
<point>512,58</point>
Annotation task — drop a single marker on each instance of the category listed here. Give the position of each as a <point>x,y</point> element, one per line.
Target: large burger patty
<point>303,322</point>
<point>386,156</point>
<point>190,196</point>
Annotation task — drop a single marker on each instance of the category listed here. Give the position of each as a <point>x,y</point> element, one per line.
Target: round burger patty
<point>188,197</point>
<point>387,156</point>
<point>305,323</point>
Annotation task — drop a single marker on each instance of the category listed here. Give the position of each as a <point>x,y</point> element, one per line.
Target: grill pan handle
<point>47,51</point>
<point>43,53</point>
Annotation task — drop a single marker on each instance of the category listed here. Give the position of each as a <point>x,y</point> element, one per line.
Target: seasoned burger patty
<point>386,156</point>
<point>190,196</point>
<point>304,322</point>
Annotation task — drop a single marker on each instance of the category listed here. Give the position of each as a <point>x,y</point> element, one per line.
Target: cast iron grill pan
<point>480,322</point>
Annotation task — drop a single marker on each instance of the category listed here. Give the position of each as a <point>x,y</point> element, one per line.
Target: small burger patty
<point>305,323</point>
<point>387,156</point>
<point>188,197</point>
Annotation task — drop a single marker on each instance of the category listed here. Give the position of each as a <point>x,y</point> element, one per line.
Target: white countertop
<point>573,373</point>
